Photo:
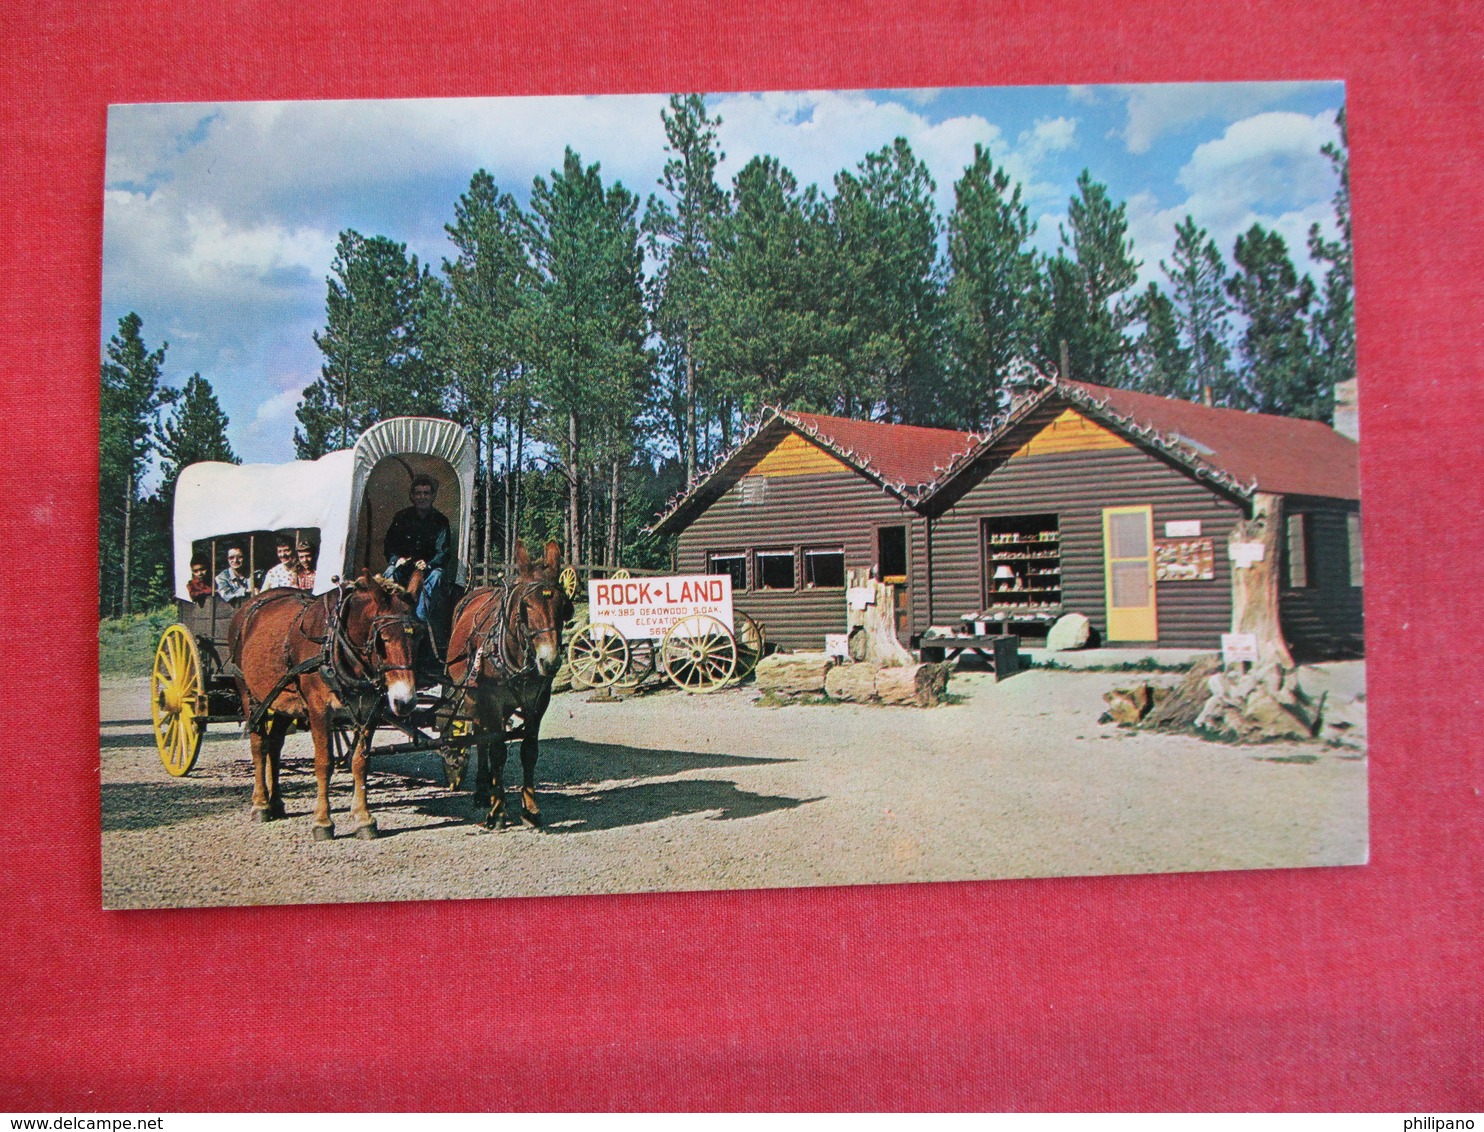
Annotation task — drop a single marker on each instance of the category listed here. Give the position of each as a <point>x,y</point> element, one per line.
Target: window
<point>824,569</point>
<point>752,491</point>
<point>1352,530</point>
<point>775,569</point>
<point>733,562</point>
<point>1298,551</point>
<point>1022,561</point>
<point>891,551</point>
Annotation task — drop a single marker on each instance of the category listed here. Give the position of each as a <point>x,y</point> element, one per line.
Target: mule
<point>504,652</point>
<point>302,659</point>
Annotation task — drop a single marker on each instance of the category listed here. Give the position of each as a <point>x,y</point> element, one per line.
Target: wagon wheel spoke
<point>599,655</point>
<point>698,654</point>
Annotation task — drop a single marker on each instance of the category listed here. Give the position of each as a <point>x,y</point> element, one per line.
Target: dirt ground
<point>668,791</point>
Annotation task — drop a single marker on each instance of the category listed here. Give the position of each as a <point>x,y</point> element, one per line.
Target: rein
<point>358,681</point>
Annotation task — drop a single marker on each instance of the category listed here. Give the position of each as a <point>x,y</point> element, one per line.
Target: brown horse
<point>314,661</point>
<point>505,649</point>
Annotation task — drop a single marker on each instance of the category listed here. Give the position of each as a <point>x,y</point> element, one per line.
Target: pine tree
<point>130,400</point>
<point>1268,292</point>
<point>768,340</point>
<point>195,430</point>
<point>1197,276</point>
<point>988,297</point>
<point>1086,289</point>
<point>886,285</point>
<point>1160,364</point>
<point>590,358</point>
<point>480,329</point>
<point>374,365</point>
<point>1333,324</point>
<point>679,231</point>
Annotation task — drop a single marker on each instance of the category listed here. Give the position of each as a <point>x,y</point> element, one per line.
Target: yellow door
<point>1128,556</point>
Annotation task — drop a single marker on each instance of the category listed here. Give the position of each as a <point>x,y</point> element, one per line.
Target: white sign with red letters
<point>647,607</point>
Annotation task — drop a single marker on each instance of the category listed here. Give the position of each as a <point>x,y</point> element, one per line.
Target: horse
<point>300,658</point>
<point>503,654</point>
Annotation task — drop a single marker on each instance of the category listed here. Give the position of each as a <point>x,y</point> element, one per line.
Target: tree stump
<point>1252,702</point>
<point>919,685</point>
<point>876,620</point>
<point>793,674</point>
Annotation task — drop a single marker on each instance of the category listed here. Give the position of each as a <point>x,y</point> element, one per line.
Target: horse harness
<point>490,640</point>
<point>353,673</point>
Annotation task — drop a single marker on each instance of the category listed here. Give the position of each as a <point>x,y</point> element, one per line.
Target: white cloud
<point>1266,169</point>
<point>1154,109</point>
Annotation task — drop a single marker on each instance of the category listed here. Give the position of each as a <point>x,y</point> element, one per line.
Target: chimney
<point>1347,409</point>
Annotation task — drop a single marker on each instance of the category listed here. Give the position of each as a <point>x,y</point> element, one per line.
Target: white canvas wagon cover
<point>331,494</point>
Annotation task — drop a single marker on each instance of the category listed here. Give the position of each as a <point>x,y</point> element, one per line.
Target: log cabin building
<point>1085,499</point>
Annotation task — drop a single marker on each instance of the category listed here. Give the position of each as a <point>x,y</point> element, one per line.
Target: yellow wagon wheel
<point>620,574</point>
<point>751,640</point>
<point>568,581</point>
<point>699,653</point>
<point>599,656</point>
<point>177,700</point>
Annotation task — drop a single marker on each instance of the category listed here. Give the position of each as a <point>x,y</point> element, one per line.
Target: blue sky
<point>220,220</point>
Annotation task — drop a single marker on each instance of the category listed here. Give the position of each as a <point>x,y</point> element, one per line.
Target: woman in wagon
<point>418,540</point>
<point>234,583</point>
<point>285,573</point>
<point>304,563</point>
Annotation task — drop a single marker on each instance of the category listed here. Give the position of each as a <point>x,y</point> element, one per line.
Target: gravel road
<point>668,791</point>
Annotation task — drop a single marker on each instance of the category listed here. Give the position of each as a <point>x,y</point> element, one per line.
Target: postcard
<point>598,494</point>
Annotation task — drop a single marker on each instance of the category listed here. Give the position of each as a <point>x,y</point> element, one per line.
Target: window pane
<point>775,570</point>
<point>1298,551</point>
<point>1357,568</point>
<point>824,568</point>
<point>733,564</point>
<point>1130,535</point>
<point>1130,585</point>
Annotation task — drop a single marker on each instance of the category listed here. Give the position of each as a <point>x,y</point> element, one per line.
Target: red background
<point>1351,988</point>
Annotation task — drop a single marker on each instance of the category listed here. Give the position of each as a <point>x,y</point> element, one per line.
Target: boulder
<point>1071,631</point>
<point>1128,705</point>
<point>793,674</point>
<point>918,685</point>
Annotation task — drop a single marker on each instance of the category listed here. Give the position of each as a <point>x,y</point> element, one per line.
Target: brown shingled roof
<point>1282,455</point>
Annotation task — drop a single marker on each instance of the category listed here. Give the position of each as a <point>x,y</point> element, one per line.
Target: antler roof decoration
<point>1234,451</point>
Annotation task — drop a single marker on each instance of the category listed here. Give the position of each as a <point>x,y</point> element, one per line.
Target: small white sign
<point>1183,528</point>
<point>1237,647</point>
<point>642,608</point>
<point>1244,554</point>
<point>858,597</point>
<point>838,645</point>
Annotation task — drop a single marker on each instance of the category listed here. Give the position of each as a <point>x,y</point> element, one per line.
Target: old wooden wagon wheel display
<point>177,700</point>
<point>599,656</point>
<point>751,640</point>
<point>699,653</point>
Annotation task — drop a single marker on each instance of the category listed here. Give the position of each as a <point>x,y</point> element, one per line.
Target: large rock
<point>919,685</point>
<point>793,674</point>
<point>1071,631</point>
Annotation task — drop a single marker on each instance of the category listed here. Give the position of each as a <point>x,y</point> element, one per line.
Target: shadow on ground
<point>151,805</point>
<point>567,763</point>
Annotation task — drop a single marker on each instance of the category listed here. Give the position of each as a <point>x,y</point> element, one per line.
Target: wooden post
<point>871,625</point>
